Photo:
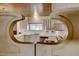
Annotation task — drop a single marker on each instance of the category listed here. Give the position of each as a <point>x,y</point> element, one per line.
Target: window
<point>35,26</point>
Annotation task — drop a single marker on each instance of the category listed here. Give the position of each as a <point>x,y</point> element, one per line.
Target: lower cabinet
<point>43,50</point>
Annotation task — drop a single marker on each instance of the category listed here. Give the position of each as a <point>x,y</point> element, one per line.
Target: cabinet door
<point>43,50</point>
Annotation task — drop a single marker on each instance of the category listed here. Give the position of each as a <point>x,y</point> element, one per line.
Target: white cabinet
<point>27,38</point>
<point>43,50</point>
<point>20,37</point>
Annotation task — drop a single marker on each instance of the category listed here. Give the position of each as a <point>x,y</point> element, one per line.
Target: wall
<point>23,24</point>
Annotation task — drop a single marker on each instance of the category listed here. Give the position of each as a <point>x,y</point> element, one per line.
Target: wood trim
<point>70,26</point>
<point>11,32</point>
